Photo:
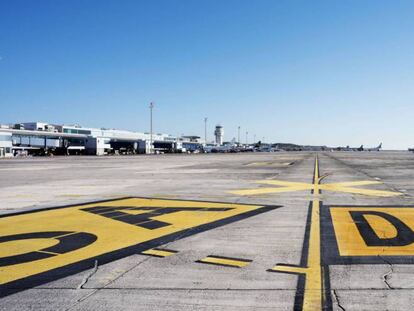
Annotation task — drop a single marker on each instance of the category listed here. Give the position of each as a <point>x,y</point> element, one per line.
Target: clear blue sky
<point>328,72</point>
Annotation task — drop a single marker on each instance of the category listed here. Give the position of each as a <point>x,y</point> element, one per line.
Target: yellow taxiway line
<point>312,299</point>
<point>312,296</point>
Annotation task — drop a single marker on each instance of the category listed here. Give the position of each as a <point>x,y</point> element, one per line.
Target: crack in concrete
<point>95,290</point>
<point>337,300</point>
<point>87,277</point>
<point>388,275</point>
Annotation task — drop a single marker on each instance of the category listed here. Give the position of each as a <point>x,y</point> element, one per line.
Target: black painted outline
<point>58,273</point>
<point>326,285</point>
<point>330,249</point>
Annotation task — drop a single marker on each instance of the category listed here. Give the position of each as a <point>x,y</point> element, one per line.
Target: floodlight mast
<point>151,106</point>
<point>205,130</point>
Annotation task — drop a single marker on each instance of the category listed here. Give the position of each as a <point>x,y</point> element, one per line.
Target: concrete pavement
<point>364,263</point>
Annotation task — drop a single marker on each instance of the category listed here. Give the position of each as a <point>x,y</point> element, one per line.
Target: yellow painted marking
<point>346,187</point>
<point>158,252</point>
<point>316,172</point>
<point>290,269</point>
<point>351,243</point>
<point>357,183</point>
<point>267,190</point>
<point>112,234</point>
<point>225,261</point>
<point>272,164</point>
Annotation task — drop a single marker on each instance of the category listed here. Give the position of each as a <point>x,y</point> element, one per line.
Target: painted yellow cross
<point>287,186</point>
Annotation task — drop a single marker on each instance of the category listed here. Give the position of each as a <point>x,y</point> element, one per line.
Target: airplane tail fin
<point>380,146</point>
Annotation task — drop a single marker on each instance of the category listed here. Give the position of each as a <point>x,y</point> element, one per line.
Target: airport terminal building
<point>45,138</point>
<point>5,144</point>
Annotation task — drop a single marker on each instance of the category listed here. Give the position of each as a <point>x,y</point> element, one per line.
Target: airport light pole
<point>254,138</point>
<point>205,130</point>
<point>151,106</point>
<point>238,131</point>
<point>247,134</point>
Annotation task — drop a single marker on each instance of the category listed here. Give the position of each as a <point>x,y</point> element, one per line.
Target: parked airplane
<point>375,148</point>
<point>347,148</point>
<point>361,148</point>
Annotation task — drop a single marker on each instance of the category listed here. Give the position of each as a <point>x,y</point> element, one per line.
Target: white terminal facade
<point>6,145</point>
<point>40,137</point>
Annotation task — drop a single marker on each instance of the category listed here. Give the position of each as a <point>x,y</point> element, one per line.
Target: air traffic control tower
<point>219,133</point>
